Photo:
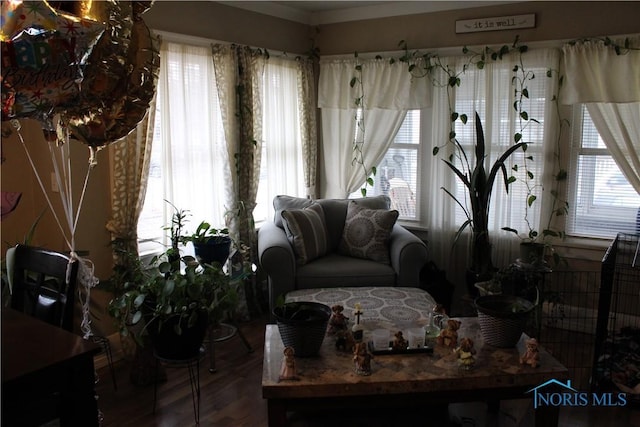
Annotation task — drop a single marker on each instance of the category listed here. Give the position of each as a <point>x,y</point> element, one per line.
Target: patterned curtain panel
<point>130,172</point>
<point>307,106</point>
<point>238,75</point>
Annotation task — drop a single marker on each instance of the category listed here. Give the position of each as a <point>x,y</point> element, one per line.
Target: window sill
<point>585,248</point>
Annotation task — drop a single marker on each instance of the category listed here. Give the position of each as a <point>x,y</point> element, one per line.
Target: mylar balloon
<point>125,88</point>
<point>43,55</point>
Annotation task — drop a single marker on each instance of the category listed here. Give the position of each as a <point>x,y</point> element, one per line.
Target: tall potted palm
<point>479,186</point>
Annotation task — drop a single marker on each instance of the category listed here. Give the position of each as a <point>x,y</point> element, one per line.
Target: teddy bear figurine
<point>449,335</point>
<point>338,321</point>
<point>465,353</point>
<point>531,356</point>
<point>399,342</point>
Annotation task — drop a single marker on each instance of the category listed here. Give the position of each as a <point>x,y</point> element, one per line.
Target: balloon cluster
<point>86,67</point>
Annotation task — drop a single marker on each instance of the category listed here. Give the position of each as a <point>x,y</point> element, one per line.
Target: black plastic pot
<point>303,326</point>
<point>170,345</point>
<point>215,250</point>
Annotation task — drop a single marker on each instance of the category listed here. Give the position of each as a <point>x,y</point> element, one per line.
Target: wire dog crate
<point>616,361</point>
<point>568,318</point>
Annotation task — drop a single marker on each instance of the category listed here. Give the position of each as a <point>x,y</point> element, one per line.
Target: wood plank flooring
<point>232,397</point>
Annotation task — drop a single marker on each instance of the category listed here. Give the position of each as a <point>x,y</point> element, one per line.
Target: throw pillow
<point>282,203</point>
<point>366,233</point>
<point>307,232</point>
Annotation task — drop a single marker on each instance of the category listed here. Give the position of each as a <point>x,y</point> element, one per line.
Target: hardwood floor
<point>232,397</point>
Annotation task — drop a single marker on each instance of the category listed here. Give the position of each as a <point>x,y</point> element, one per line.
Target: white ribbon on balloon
<point>60,159</point>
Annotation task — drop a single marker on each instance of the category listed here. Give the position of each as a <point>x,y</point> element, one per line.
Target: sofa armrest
<point>408,256</point>
<point>277,259</point>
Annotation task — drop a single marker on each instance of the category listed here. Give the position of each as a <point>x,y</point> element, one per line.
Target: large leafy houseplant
<point>164,297</point>
<point>479,184</point>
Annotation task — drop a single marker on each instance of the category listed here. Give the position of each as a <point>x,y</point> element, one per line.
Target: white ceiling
<point>332,11</point>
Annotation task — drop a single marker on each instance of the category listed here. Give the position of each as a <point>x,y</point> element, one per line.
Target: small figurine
<point>465,353</point>
<point>288,369</point>
<point>439,316</point>
<point>531,356</point>
<point>449,335</point>
<point>345,341</point>
<point>399,342</point>
<point>362,359</point>
<point>338,321</point>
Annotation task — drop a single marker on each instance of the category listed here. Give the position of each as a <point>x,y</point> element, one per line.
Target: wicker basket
<point>303,326</point>
<point>503,318</point>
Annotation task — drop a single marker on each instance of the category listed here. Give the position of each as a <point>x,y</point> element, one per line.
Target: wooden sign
<point>496,24</point>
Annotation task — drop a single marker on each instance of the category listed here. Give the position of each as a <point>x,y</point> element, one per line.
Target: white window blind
<point>398,172</point>
<point>602,202</point>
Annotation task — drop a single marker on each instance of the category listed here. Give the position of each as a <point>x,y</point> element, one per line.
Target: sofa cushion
<point>366,233</point>
<point>307,232</point>
<point>342,270</point>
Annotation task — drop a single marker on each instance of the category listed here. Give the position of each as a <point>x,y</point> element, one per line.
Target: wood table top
<point>29,345</point>
<point>332,373</point>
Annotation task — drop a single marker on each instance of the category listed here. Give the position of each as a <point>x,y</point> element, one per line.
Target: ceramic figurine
<point>531,356</point>
<point>344,340</point>
<point>362,359</point>
<point>288,369</point>
<point>338,321</point>
<point>465,353</point>
<point>399,342</point>
<point>449,335</point>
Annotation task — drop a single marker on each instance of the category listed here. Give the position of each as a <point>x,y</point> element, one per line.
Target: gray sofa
<point>277,257</point>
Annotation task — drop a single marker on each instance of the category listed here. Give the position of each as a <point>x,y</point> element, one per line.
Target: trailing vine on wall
<point>359,138</point>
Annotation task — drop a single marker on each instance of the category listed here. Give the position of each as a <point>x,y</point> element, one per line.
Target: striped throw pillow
<point>307,232</point>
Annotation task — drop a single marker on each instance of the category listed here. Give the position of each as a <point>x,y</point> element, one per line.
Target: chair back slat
<point>40,287</point>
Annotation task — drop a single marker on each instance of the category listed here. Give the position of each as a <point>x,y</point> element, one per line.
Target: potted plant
<point>503,318</point>
<point>210,244</point>
<point>174,306</point>
<point>302,325</point>
<point>479,186</point>
<point>178,222</point>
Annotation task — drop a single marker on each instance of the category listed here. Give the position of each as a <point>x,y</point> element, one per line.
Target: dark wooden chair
<point>40,287</point>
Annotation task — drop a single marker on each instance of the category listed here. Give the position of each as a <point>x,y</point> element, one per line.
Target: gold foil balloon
<point>120,80</point>
<point>43,56</point>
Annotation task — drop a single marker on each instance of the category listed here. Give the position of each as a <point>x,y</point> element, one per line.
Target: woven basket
<point>502,325</point>
<point>303,326</point>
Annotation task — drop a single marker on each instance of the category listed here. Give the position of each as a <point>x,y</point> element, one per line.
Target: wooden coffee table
<point>329,380</point>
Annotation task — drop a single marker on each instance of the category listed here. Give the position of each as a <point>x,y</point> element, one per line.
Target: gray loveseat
<point>277,257</point>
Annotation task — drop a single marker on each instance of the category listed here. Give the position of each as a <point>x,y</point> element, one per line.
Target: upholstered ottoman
<point>382,307</point>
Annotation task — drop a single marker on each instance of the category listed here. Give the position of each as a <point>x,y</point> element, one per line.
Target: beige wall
<point>554,20</point>
<point>18,175</point>
<point>224,23</point>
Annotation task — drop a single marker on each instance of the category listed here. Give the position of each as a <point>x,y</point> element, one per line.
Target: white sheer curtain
<point>609,83</point>
<point>194,152</point>
<point>282,167</point>
<point>490,93</point>
<point>384,111</point>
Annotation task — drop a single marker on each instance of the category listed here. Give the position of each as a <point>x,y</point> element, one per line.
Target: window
<point>602,201</point>
<point>189,160</point>
<point>281,170</point>
<point>397,174</point>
